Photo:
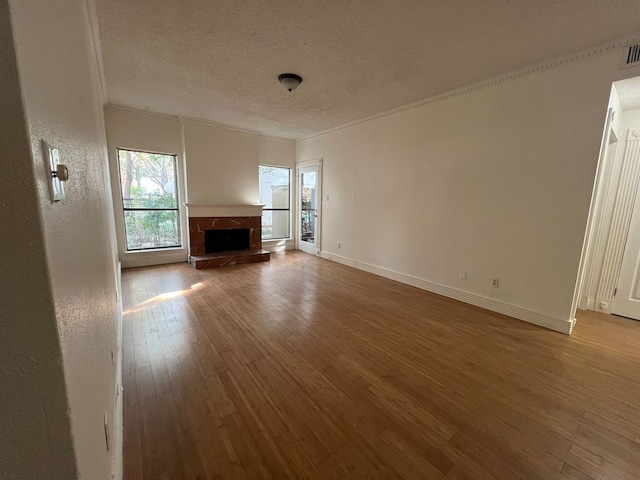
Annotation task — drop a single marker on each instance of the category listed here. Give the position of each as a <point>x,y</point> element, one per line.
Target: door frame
<point>594,230</point>
<point>314,162</point>
<point>616,179</point>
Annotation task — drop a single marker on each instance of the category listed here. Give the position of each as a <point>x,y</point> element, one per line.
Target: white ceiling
<point>629,93</point>
<point>219,60</point>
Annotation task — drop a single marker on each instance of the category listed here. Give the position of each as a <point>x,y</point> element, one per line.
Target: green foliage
<point>153,228</point>
<point>144,180</point>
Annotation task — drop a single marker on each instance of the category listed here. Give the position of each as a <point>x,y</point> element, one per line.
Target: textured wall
<point>219,60</point>
<point>63,105</point>
<point>35,437</point>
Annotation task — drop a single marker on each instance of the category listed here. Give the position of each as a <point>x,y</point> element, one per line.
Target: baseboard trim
<point>278,245</point>
<point>145,260</point>
<point>552,323</point>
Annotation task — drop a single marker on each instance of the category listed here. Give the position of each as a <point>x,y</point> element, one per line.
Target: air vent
<point>632,57</point>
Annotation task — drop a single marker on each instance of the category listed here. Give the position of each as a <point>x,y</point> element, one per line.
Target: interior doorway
<point>627,298</point>
<point>610,270</point>
<point>309,206</point>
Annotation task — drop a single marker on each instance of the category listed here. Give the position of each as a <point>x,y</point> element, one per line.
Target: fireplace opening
<point>226,240</point>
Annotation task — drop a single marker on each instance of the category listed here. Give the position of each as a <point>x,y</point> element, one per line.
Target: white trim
<point>621,220</point>
<point>591,241</point>
<point>309,163</point>
<point>314,162</point>
<point>537,68</point>
<point>279,245</point>
<point>292,189</point>
<point>224,210</point>
<point>94,31</point>
<point>179,117</point>
<point>218,124</point>
<point>144,259</point>
<point>117,471</point>
<point>552,323</point>
<point>139,258</point>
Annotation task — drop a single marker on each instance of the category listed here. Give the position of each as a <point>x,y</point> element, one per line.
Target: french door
<point>309,203</point>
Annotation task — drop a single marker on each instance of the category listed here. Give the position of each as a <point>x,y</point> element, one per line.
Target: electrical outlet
<point>495,282</point>
<point>463,274</point>
<point>338,245</point>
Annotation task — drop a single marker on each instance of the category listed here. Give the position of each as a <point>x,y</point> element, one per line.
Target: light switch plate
<point>51,161</point>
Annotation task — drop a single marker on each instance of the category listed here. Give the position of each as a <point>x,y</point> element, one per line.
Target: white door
<point>627,300</point>
<point>309,198</point>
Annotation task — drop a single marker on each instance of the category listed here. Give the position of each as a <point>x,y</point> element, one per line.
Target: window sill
<point>170,250</point>
<point>277,240</point>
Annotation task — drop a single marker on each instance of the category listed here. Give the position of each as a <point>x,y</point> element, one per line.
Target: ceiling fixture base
<point>290,81</point>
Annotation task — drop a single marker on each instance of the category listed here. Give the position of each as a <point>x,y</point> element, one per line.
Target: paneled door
<point>309,199</point>
<point>627,300</point>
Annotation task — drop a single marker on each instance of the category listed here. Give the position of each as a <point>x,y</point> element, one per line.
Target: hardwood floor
<point>304,368</point>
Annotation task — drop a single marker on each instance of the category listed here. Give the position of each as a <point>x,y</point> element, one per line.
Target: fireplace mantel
<point>224,210</point>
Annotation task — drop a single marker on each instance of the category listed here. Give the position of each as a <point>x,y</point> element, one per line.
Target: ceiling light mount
<point>290,81</point>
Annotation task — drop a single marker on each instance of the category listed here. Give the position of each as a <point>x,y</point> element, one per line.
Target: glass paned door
<point>308,208</point>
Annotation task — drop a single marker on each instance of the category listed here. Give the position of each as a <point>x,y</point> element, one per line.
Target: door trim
<point>302,164</point>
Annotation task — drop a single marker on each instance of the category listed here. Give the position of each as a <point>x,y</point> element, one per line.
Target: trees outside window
<point>149,190</point>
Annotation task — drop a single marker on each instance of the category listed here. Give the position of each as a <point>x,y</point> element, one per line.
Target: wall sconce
<point>57,173</point>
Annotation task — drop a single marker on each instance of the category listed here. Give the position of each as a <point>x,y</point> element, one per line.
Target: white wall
<point>496,181</point>
<point>222,164</point>
<point>63,105</point>
<point>279,153</point>
<point>145,132</point>
<point>36,430</point>
<point>217,165</point>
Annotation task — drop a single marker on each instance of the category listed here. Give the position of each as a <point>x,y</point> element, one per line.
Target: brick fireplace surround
<point>224,217</point>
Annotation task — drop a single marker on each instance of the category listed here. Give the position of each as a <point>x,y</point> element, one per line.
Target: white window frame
<point>290,210</point>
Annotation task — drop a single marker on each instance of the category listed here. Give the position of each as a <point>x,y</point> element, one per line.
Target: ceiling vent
<point>632,57</point>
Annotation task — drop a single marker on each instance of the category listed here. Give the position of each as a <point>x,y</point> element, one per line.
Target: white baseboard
<point>278,245</point>
<point>131,260</point>
<point>557,324</point>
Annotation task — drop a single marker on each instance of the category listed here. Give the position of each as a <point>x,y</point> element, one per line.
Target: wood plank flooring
<point>304,368</point>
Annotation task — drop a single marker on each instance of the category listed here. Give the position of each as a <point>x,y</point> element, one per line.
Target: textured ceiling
<point>629,93</point>
<point>219,60</point>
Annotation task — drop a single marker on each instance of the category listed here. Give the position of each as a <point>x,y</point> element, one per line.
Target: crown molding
<point>536,68</point>
<point>148,113</point>
<point>182,118</point>
<point>94,33</point>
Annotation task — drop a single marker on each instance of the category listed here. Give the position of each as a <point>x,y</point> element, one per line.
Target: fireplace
<point>221,235</point>
<point>227,240</point>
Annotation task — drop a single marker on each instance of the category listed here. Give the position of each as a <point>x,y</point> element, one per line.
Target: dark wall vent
<point>632,56</point>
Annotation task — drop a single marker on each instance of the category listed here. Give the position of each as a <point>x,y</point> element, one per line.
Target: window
<point>275,190</point>
<point>149,187</point>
